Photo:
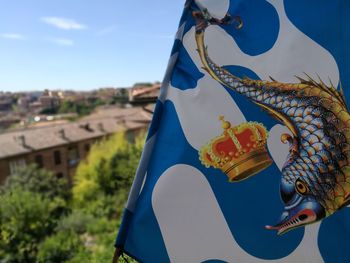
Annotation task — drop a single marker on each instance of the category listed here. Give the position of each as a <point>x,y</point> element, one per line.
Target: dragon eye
<point>301,187</point>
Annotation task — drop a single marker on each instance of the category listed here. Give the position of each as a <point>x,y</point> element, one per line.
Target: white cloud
<point>107,30</point>
<point>62,41</point>
<point>63,23</point>
<point>12,36</point>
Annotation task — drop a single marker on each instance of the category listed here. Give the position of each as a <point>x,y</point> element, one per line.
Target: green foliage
<point>32,203</point>
<point>121,98</point>
<point>109,169</point>
<point>25,220</point>
<point>49,111</point>
<point>82,108</point>
<point>77,221</point>
<point>43,220</point>
<point>101,186</point>
<point>39,181</point>
<point>61,247</point>
<point>143,84</point>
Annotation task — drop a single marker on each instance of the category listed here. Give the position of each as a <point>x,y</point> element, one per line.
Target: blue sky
<point>84,44</point>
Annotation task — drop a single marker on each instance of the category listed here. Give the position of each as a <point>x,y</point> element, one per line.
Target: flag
<point>248,155</point>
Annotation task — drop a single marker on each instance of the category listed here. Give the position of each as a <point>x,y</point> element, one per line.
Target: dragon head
<point>301,207</point>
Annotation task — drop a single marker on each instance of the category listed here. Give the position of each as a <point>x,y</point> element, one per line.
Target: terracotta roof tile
<point>105,121</point>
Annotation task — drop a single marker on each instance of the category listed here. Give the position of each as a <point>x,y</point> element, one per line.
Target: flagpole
<point>117,253</point>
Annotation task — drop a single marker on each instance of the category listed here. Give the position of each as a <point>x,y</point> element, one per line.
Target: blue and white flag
<point>248,155</point>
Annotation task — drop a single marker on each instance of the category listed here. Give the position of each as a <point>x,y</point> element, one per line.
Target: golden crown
<point>239,152</point>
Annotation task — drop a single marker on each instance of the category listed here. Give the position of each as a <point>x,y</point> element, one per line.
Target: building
<point>23,103</point>
<point>48,102</point>
<point>6,104</point>
<point>35,107</point>
<point>144,94</point>
<point>8,121</point>
<point>60,148</point>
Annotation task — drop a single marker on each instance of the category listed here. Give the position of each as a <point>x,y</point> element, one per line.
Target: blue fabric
<point>248,205</point>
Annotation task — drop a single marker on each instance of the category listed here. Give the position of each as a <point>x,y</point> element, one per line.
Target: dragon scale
<point>319,120</point>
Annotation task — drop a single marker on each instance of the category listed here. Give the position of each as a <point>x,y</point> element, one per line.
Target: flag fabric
<point>248,155</point>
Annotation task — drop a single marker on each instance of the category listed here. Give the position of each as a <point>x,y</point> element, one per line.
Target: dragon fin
<point>280,117</point>
<point>341,94</point>
<point>331,90</point>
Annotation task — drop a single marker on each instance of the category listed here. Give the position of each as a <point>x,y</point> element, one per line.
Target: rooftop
<point>104,121</point>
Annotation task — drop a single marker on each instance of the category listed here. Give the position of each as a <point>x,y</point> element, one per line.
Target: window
<point>73,156</point>
<point>39,161</point>
<point>87,147</point>
<point>57,157</point>
<point>59,175</point>
<point>16,165</point>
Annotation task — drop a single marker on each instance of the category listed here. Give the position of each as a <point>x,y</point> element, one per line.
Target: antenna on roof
<point>86,127</point>
<point>100,127</point>
<point>21,140</point>
<point>62,134</point>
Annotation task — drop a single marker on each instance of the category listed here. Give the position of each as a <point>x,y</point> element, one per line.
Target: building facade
<point>60,148</point>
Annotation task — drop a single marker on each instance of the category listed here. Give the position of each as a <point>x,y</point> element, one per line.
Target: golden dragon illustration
<point>315,180</point>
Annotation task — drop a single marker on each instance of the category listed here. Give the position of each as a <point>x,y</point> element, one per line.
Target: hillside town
<point>55,129</point>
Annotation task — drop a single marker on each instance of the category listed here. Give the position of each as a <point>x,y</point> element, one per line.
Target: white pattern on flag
<point>218,8</point>
<point>201,124</point>
<point>277,149</point>
<point>283,61</point>
<point>192,223</point>
<point>188,213</point>
<point>277,63</point>
<point>273,62</point>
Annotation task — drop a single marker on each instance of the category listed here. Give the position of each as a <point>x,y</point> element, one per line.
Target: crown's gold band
<point>249,164</point>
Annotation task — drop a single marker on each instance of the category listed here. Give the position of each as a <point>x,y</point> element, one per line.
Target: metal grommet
<point>239,22</point>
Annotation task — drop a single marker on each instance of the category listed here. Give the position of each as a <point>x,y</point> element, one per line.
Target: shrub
<point>108,169</point>
<point>60,247</point>
<point>25,220</point>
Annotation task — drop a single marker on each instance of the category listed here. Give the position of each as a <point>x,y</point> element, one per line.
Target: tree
<point>32,202</point>
<point>82,108</point>
<point>143,84</point>
<point>36,180</point>
<point>25,220</point>
<point>43,220</point>
<point>61,247</point>
<point>101,186</point>
<point>107,172</point>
